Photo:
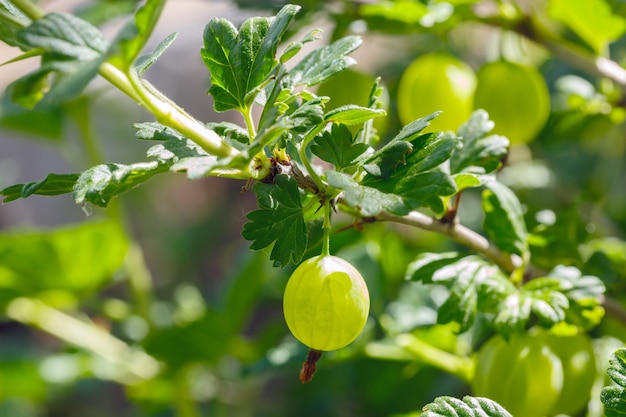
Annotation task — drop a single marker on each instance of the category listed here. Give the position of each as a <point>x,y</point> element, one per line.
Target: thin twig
<point>459,234</point>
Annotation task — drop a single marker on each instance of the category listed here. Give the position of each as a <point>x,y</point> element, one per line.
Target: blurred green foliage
<point>163,310</point>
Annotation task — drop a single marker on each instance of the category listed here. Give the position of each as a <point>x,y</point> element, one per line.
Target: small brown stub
<point>308,367</point>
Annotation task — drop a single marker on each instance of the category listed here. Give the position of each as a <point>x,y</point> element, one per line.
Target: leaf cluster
<point>414,170</point>
<point>477,287</point>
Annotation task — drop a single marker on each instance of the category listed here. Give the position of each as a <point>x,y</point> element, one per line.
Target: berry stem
<point>305,159</point>
<point>326,229</point>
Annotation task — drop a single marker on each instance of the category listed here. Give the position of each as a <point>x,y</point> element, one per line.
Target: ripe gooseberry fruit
<point>523,374</point>
<point>326,303</point>
<point>437,81</point>
<point>579,370</point>
<point>516,98</point>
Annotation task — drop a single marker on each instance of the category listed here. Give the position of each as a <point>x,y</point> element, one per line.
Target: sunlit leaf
<point>133,37</point>
<point>278,221</point>
<point>614,397</point>
<point>504,219</point>
<point>98,185</point>
<point>387,159</point>
<point>479,152</point>
<point>324,62</point>
<point>239,61</point>
<point>66,35</point>
<point>337,147</point>
<point>53,184</point>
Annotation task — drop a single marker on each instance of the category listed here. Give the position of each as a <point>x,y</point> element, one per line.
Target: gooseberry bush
<point>492,304</point>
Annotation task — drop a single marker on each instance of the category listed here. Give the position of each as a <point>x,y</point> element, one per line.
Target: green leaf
<point>474,285</point>
<point>387,159</point>
<point>478,286</point>
<point>469,407</point>
<point>73,49</point>
<point>353,115</point>
<point>44,121</point>
<point>196,167</point>
<point>368,200</point>
<point>479,153</point>
<point>540,297</point>
<point>294,47</point>
<point>133,37</point>
<point>65,35</point>
<point>411,179</point>
<point>145,61</point>
<point>466,180</point>
<point>230,132</point>
<point>429,151</point>
<point>72,76</point>
<point>104,11</point>
<point>73,82</point>
<point>564,295</point>
<point>155,131</point>
<point>576,285</point>
<point>98,185</point>
<point>584,294</point>
<point>504,219</point>
<point>323,63</point>
<point>594,22</point>
<point>293,121</point>
<point>417,189</point>
<point>279,221</point>
<point>175,148</point>
<point>337,147</point>
<point>30,89</point>
<point>614,397</point>
<point>240,62</point>
<point>182,154</point>
<point>53,184</point>
<point>427,264</point>
<point>77,260</point>
<point>306,116</point>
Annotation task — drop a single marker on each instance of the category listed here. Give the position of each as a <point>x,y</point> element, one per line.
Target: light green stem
<point>247,115</point>
<point>167,112</point>
<point>116,77</point>
<point>305,159</point>
<point>326,229</point>
<point>136,364</point>
<point>185,405</point>
<point>408,347</point>
<point>29,8</point>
